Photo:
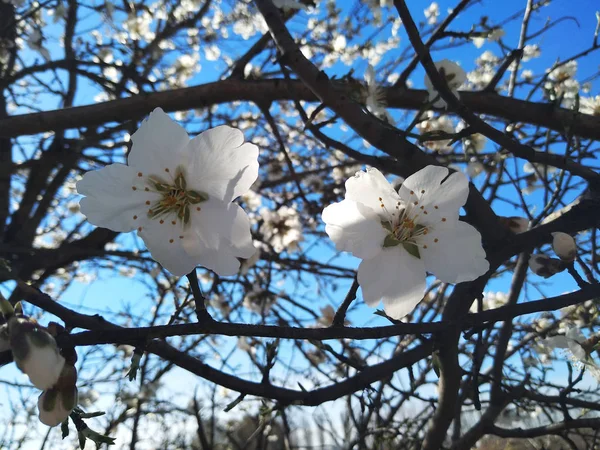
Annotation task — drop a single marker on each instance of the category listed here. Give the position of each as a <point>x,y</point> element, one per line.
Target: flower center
<point>175,197</point>
<point>403,227</point>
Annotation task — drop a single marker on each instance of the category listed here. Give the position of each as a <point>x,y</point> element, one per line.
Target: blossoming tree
<point>299,223</point>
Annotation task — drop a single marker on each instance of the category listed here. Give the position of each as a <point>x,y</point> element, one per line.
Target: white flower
<point>474,168</point>
<point>454,75</point>
<point>35,352</point>
<point>590,105</point>
<point>178,194</point>
<point>35,41</point>
<point>572,342</point>
<point>375,97</point>
<point>440,125</point>
<point>564,246</point>
<point>531,51</point>
<point>400,236</point>
<point>282,228</point>
<point>259,300</point>
<point>432,13</point>
<point>287,5</point>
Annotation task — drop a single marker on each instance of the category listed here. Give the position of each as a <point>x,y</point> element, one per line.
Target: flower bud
<point>56,404</point>
<point>545,266</point>
<point>515,224</point>
<point>35,352</point>
<point>564,246</point>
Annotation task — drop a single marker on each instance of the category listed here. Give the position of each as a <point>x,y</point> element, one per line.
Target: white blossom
<point>432,12</point>
<point>178,194</point>
<point>282,228</point>
<point>474,168</point>
<point>437,125</point>
<point>572,342</point>
<point>375,97</point>
<point>590,105</point>
<point>402,235</point>
<point>259,300</point>
<point>454,75</point>
<point>564,246</point>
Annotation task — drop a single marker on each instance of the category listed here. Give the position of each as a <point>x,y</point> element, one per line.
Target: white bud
<point>55,406</point>
<point>545,266</point>
<point>564,246</point>
<point>35,352</point>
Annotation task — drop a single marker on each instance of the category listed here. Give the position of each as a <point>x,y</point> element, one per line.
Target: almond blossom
<point>177,193</point>
<point>400,236</point>
<point>375,97</point>
<point>454,75</point>
<point>574,343</point>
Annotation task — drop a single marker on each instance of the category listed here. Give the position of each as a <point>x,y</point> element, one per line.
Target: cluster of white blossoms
<point>400,236</point>
<point>36,354</point>
<point>282,228</point>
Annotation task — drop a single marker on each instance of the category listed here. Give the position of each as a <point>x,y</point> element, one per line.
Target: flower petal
<point>394,276</point>
<point>367,187</point>
<point>453,252</point>
<point>168,248</point>
<point>218,224</point>
<point>220,164</point>
<point>352,230</point>
<point>559,341</point>
<point>158,144</point>
<point>111,201</point>
<point>432,187</point>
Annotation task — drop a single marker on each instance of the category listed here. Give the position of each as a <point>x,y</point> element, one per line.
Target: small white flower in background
<point>375,97</point>
<point>259,300</point>
<point>288,5</point>
<point>282,228</point>
<point>178,194</point>
<point>515,224</point>
<point>402,235</point>
<point>432,126</point>
<point>572,341</point>
<point>492,36</point>
<point>432,12</point>
<point>35,41</point>
<point>474,143</point>
<point>454,75</point>
<point>474,168</point>
<point>545,267</point>
<point>531,51</point>
<point>590,105</point>
<point>564,246</point>
<point>35,352</point>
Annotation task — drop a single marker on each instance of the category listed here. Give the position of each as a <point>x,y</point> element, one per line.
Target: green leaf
<point>64,428</point>
<point>412,249</point>
<point>390,241</point>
